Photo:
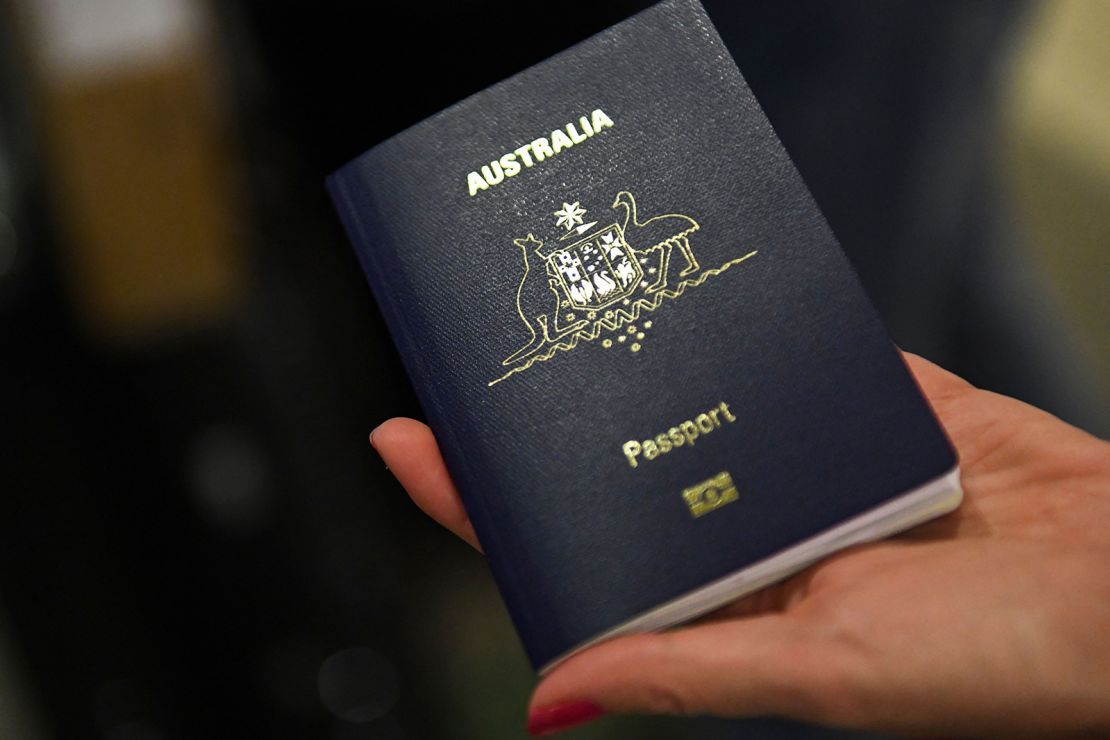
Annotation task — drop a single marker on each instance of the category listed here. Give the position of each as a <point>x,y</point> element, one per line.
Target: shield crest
<point>597,270</point>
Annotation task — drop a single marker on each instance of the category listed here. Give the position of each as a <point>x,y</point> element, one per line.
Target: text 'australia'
<point>511,163</point>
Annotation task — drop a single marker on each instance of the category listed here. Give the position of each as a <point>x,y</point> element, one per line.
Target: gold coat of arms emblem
<point>601,277</point>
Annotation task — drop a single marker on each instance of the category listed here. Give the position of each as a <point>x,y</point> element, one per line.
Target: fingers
<point>768,665</point>
<point>937,383</point>
<point>409,450</point>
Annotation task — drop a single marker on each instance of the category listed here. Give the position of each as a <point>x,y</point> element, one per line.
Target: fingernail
<point>379,426</point>
<point>558,717</point>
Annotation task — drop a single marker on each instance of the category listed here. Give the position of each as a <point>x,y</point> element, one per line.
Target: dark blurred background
<point>196,540</point>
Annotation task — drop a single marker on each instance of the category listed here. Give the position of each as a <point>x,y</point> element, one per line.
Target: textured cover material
<point>645,358</point>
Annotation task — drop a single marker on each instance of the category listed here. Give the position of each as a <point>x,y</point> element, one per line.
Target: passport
<point>655,379</point>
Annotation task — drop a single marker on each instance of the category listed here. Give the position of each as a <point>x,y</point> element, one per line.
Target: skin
<point>993,620</point>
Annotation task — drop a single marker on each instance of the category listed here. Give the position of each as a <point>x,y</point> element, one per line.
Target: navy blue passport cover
<point>610,286</point>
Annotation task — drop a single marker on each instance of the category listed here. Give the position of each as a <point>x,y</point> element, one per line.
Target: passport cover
<point>646,360</point>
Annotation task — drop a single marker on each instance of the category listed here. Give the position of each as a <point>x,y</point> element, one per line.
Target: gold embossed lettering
<point>541,149</point>
<point>664,443</point>
<point>525,155</point>
<point>690,431</point>
<point>513,163</point>
<point>493,173</point>
<point>683,434</point>
<point>599,120</point>
<point>476,183</point>
<point>560,141</point>
<point>632,450</point>
<point>510,165</point>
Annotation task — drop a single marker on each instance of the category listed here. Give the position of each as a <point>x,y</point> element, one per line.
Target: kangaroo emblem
<point>538,300</point>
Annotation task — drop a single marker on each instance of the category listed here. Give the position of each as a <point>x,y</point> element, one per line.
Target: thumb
<point>767,665</point>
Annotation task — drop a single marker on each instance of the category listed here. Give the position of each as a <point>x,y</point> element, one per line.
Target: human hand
<point>992,620</point>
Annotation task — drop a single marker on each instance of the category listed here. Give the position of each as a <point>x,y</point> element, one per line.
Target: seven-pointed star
<point>570,215</point>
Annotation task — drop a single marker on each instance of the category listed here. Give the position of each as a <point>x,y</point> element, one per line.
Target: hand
<point>994,619</point>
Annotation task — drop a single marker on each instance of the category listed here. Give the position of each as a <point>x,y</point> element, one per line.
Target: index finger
<point>409,449</point>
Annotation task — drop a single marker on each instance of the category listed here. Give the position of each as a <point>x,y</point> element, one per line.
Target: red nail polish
<point>558,717</point>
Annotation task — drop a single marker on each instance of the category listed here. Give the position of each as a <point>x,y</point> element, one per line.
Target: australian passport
<point>654,377</point>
